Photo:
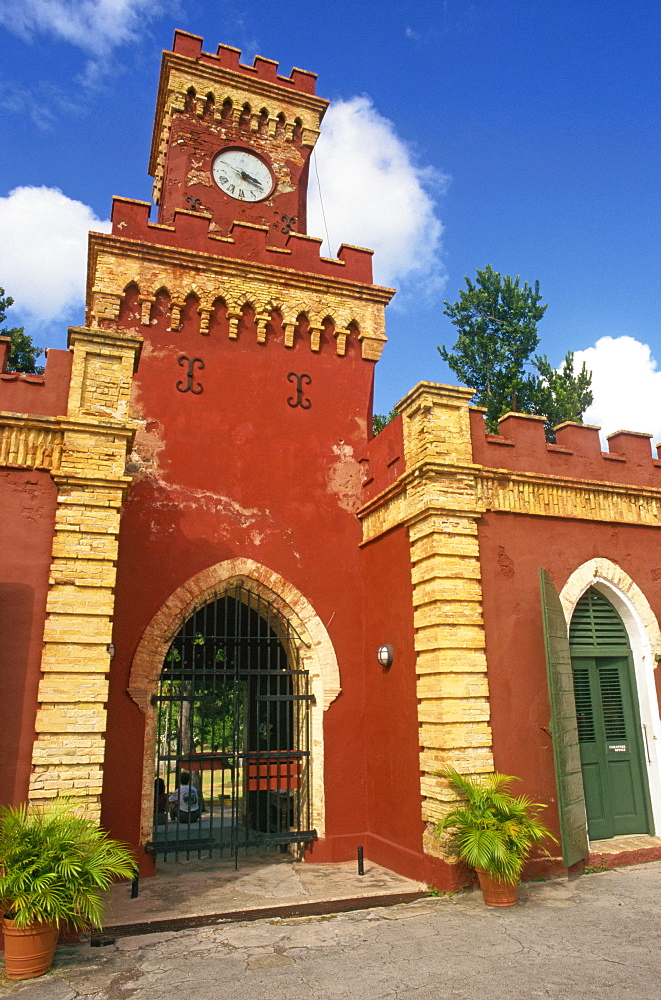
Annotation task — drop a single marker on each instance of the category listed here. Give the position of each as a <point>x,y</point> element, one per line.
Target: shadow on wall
<point>18,699</point>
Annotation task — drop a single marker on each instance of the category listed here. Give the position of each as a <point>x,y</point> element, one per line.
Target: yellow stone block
<point>452,685</point>
<point>96,520</point>
<point>75,657</point>
<point>466,760</point>
<point>436,661</point>
<point>448,710</point>
<point>66,599</point>
<point>59,687</point>
<point>77,628</point>
<point>455,735</point>
<point>69,544</point>
<point>455,545</point>
<point>449,637</point>
<point>443,589</point>
<point>450,566</point>
<point>79,718</point>
<point>83,572</point>
<point>448,613</point>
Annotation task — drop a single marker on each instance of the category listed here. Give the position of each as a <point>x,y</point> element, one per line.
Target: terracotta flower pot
<point>496,892</point>
<point>28,950</point>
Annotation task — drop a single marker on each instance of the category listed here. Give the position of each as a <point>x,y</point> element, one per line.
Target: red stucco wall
<point>235,471</point>
<point>27,501</point>
<point>392,763</point>
<point>45,394</point>
<point>512,548</point>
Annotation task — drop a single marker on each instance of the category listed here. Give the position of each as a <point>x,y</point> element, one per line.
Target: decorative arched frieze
<point>317,657</point>
<point>115,271</point>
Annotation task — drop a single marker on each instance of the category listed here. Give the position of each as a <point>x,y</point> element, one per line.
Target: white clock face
<point>242,176</point>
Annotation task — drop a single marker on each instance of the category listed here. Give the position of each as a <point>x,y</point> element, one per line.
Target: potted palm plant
<point>493,831</point>
<point>55,866</point>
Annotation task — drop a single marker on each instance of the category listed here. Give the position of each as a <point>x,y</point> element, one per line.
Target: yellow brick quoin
<point>88,468</point>
<point>437,498</point>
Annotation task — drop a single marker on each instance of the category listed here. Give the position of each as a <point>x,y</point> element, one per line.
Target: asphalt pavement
<point>592,936</point>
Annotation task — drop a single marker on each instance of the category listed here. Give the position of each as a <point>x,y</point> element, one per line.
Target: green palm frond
<point>55,865</point>
<point>491,828</point>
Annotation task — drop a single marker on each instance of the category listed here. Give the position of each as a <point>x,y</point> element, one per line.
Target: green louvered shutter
<point>566,754</point>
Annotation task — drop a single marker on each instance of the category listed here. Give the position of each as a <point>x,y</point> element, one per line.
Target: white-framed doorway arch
<point>645,640</point>
<point>317,657</point>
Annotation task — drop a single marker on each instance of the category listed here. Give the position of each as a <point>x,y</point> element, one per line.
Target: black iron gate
<point>232,768</point>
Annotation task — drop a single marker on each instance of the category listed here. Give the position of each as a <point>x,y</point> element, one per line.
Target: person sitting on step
<point>185,800</point>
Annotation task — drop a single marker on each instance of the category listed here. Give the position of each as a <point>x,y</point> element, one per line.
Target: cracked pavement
<point>595,936</point>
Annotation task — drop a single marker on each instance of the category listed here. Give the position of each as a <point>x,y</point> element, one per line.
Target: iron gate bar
<point>233,710</point>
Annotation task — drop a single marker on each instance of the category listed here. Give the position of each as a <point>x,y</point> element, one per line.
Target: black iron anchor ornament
<point>299,399</point>
<point>190,385</point>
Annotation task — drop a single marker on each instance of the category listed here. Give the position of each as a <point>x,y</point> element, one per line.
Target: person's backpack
<point>190,798</point>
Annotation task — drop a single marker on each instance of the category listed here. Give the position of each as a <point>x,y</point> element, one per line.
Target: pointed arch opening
<point>190,103</point>
<point>292,786</point>
<point>245,116</point>
<point>209,106</point>
<point>129,308</point>
<point>232,749</point>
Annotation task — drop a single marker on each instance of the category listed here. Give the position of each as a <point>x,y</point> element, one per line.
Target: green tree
<point>561,395</point>
<point>381,420</point>
<point>23,355</point>
<point>496,317</point>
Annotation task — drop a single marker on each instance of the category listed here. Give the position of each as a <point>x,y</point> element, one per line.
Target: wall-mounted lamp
<point>111,650</point>
<point>385,656</point>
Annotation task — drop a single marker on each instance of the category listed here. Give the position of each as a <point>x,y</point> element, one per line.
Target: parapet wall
<point>385,459</point>
<point>191,230</point>
<point>45,395</point>
<point>228,57</point>
<point>516,470</point>
<point>521,446</point>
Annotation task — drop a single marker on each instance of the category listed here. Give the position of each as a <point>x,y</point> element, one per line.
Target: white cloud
<point>95,26</point>
<point>626,386</point>
<point>43,253</point>
<point>375,195</point>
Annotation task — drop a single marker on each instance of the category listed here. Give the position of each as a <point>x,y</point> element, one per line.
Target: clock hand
<point>251,180</point>
<point>244,176</point>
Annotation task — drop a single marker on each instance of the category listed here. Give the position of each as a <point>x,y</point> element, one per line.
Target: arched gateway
<point>233,674</point>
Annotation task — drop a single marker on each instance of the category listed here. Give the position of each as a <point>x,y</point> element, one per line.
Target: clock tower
<point>233,142</point>
<point>252,401</point>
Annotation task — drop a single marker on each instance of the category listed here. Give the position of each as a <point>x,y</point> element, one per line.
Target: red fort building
<point>209,564</point>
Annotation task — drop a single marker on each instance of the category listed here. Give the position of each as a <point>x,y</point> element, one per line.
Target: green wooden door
<point>609,730</point>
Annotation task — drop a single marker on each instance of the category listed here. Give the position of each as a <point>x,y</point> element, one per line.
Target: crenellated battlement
<point>221,90</point>
<point>200,270</point>
<point>521,446</point>
<point>45,395</point>
<point>194,231</point>
<point>440,439</point>
<point>229,58</point>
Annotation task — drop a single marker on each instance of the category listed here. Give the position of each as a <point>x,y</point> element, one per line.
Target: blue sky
<point>517,133</point>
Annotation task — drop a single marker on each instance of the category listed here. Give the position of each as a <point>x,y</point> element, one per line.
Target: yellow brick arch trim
<point>239,93</point>
<point>317,657</point>
<point>346,320</point>
<point>645,641</point>
<point>611,579</point>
